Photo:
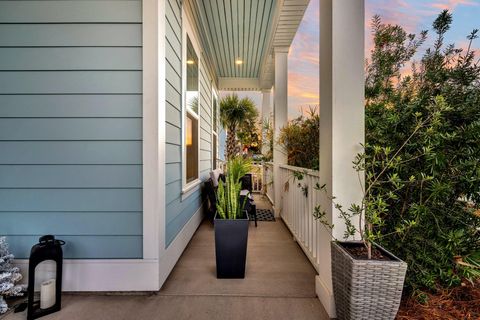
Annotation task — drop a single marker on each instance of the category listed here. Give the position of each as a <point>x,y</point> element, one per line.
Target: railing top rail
<point>310,172</point>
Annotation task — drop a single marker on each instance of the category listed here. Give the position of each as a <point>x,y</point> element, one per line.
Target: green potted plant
<point>231,222</point>
<point>367,279</point>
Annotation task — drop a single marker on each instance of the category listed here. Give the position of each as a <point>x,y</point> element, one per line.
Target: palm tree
<point>233,113</point>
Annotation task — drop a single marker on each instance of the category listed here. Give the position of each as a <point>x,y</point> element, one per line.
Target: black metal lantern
<point>47,249</point>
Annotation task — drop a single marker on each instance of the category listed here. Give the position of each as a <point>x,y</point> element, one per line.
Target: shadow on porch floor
<point>279,284</point>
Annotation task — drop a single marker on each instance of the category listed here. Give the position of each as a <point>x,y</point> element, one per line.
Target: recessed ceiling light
<point>190,62</point>
<point>238,62</point>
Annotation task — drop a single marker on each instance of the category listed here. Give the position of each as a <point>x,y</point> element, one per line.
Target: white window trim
<point>215,96</point>
<point>215,126</point>
<point>189,188</point>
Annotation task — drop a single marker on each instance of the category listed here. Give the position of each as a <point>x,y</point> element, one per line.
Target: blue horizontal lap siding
<point>71,129</point>
<point>67,58</point>
<point>179,210</point>
<point>70,176</point>
<point>65,82</point>
<point>69,12</point>
<point>85,199</point>
<point>71,126</point>
<point>71,35</point>
<point>73,106</point>
<point>91,247</point>
<point>77,223</point>
<point>71,152</point>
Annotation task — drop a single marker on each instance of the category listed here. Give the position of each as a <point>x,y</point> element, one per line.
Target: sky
<point>413,16</point>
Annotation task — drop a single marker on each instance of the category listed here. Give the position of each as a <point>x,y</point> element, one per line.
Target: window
<point>214,130</point>
<point>192,113</point>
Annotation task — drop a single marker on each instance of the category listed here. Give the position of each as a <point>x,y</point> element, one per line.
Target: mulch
<point>460,303</point>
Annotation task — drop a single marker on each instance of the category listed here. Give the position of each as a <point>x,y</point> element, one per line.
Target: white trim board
<point>325,296</point>
<point>153,123</point>
<point>118,274</point>
<point>239,84</point>
<point>103,275</point>
<point>175,249</point>
<point>188,31</point>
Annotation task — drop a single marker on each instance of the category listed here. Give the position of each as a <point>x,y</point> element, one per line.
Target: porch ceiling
<point>247,30</point>
<point>237,30</point>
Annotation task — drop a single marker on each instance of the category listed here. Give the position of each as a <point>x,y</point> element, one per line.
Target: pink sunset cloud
<point>451,4</point>
<point>412,15</point>
<point>303,64</point>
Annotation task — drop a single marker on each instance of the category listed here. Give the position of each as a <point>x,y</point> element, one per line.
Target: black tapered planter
<point>231,238</point>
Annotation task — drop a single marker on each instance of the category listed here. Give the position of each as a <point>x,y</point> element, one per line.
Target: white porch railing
<point>268,187</point>
<point>299,198</point>
<point>221,164</point>
<point>257,177</point>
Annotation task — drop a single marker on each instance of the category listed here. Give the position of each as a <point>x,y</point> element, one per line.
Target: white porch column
<point>280,114</point>
<point>341,120</point>
<point>266,109</point>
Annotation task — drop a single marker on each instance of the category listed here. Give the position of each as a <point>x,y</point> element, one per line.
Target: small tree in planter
<point>231,222</point>
<point>367,279</point>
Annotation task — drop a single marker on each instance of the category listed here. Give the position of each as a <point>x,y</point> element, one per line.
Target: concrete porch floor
<point>279,284</point>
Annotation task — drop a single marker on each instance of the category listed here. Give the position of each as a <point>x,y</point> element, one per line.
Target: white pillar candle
<point>47,294</point>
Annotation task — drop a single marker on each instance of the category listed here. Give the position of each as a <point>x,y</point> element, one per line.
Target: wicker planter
<point>366,289</point>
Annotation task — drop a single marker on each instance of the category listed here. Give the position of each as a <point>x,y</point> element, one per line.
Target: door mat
<point>263,215</point>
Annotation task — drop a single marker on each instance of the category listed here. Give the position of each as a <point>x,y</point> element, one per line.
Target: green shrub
<point>300,138</point>
<point>434,181</point>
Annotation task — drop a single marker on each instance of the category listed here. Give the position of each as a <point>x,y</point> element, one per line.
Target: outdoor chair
<point>247,185</point>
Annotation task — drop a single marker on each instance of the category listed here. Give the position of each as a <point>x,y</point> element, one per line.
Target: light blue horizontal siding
<point>73,106</point>
<point>70,35</point>
<point>173,153</point>
<point>173,116</point>
<point>173,172</point>
<point>70,176</point>
<point>173,77</point>
<point>171,191</point>
<point>179,211</point>
<point>71,152</point>
<point>71,200</point>
<point>68,58</point>
<point>71,126</point>
<point>84,247</point>
<point>68,82</point>
<point>71,129</point>
<point>70,11</point>
<point>173,207</point>
<point>173,96</point>
<point>76,223</point>
<point>205,145</point>
<point>173,134</point>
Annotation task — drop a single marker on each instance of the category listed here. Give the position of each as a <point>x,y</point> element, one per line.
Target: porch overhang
<point>241,36</point>
<point>239,84</point>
